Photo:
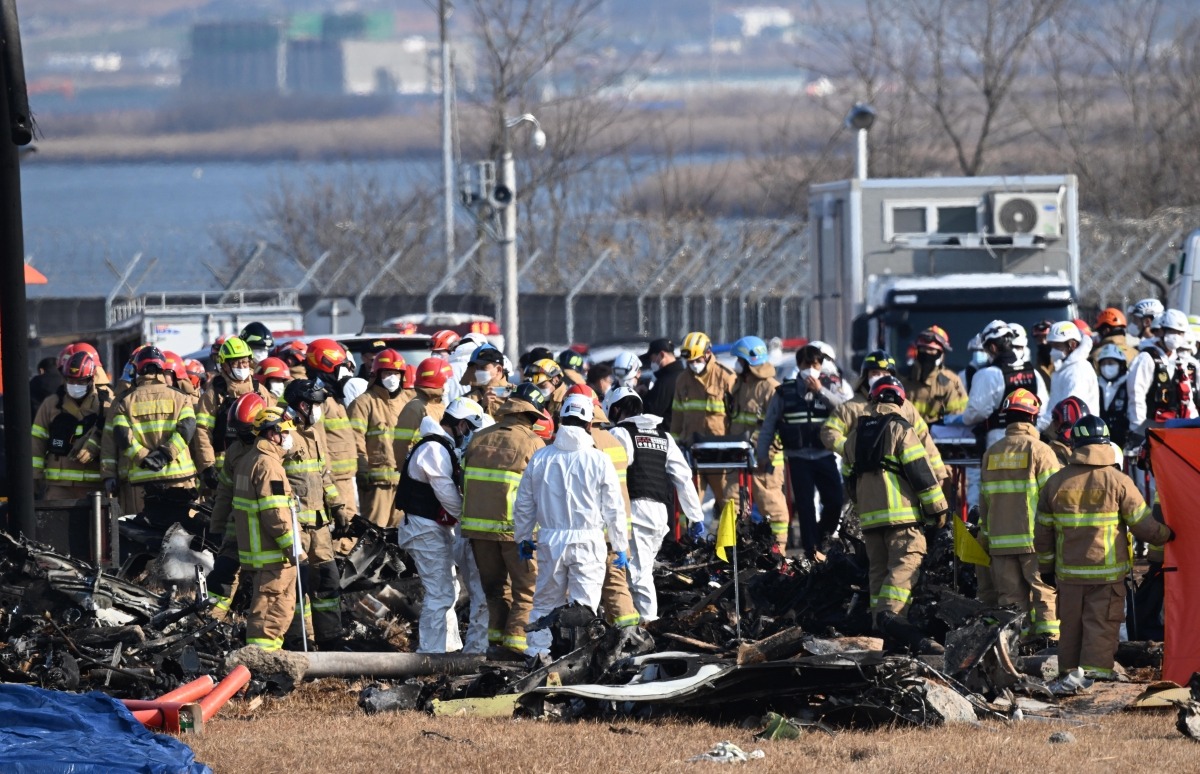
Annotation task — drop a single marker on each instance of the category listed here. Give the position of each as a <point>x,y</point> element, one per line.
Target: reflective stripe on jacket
<point>1013,472</point>
<point>373,416</point>
<point>65,469</point>
<point>699,403</point>
<point>262,509</point>
<point>426,403</point>
<point>307,469</point>
<point>751,393</point>
<point>343,453</point>
<point>493,464</point>
<point>154,416</point>
<point>842,421</point>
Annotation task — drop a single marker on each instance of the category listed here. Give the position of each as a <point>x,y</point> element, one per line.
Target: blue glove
<point>696,530</point>
<point>952,419</point>
<point>525,549</point>
<point>622,561</point>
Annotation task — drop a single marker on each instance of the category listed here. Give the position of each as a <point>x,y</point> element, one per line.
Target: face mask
<point>654,366</point>
<point>1172,341</point>
<point>872,379</point>
<point>316,414</point>
<point>482,377</point>
<point>811,373</point>
<point>980,359</point>
<point>391,383</point>
<point>276,388</point>
<point>927,360</point>
<point>259,355</point>
<point>240,374</point>
<point>1057,356</point>
<point>739,367</point>
<point>287,442</point>
<point>77,391</point>
<point>546,389</point>
<point>697,366</point>
<point>1110,371</point>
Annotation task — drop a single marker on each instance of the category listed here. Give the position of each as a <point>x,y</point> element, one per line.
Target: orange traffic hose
<point>192,691</point>
<point>224,691</point>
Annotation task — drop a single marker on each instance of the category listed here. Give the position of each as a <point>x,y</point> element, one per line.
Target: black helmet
<point>304,391</point>
<point>1089,429</point>
<point>879,360</point>
<point>257,336</point>
<point>570,359</point>
<point>529,392</point>
<point>888,389</point>
<point>534,355</point>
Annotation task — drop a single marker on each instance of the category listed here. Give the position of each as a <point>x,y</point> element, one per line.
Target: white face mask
<point>259,355</point>
<point>391,383</point>
<point>240,374</point>
<point>317,413</point>
<point>654,366</point>
<point>1110,371</point>
<point>697,366</point>
<point>980,359</point>
<point>77,391</point>
<point>483,377</point>
<point>276,388</point>
<point>1173,341</point>
<point>1057,356</point>
<point>287,442</point>
<point>872,379</point>
<point>546,389</point>
<point>739,367</point>
<point>810,373</point>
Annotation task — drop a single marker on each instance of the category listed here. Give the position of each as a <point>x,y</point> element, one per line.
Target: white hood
<point>431,426</point>
<point>645,421</point>
<point>573,439</point>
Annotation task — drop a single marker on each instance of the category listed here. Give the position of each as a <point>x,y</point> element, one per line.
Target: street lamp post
<point>860,118</point>
<point>506,194</point>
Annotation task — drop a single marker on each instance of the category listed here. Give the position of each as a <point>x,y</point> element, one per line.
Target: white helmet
<point>618,393</point>
<point>824,349</point>
<point>1147,307</point>
<point>467,345</point>
<point>468,409</point>
<point>996,329</point>
<point>1110,352</point>
<point>625,365</point>
<point>975,344</point>
<point>1062,332</point>
<point>1020,338</point>
<point>577,406</point>
<point>1173,320</point>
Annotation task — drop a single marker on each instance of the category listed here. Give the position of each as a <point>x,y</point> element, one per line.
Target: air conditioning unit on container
<point>1036,214</point>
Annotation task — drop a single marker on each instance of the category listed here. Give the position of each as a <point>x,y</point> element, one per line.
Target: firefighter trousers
<point>272,605</point>
<point>321,609</point>
<point>1090,617</point>
<point>767,493</point>
<point>222,580</point>
<point>1019,585</point>
<point>894,555</point>
<point>508,582</point>
<point>615,597</point>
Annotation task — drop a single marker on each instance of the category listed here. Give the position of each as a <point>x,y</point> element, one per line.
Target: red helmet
<point>64,355</point>
<point>934,337</point>
<point>433,373</point>
<point>175,366</point>
<point>388,360</point>
<point>147,357</point>
<point>324,356</point>
<point>215,350</point>
<point>80,365</point>
<point>1067,413</point>
<point>244,410</point>
<point>445,341</point>
<point>544,427</point>
<point>410,374</point>
<point>272,368</point>
<point>888,389</point>
<point>195,372</point>
<point>587,392</point>
<point>1022,400</point>
<point>291,352</point>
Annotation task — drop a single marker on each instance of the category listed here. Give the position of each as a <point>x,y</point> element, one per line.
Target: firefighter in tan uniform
<point>129,497</point>
<point>262,515</point>
<point>325,361</point>
<point>432,374</point>
<point>702,395</point>
<point>572,365</point>
<point>752,391</point>
<point>308,472</point>
<point>934,390</point>
<point>373,416</point>
<point>896,491</point>
<point>1013,472</point>
<point>67,432</point>
<point>1085,514</point>
<point>548,377</point>
<point>236,378</point>
<point>222,580</point>
<point>492,464</point>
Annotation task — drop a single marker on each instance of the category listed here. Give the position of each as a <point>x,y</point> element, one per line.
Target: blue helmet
<point>752,349</point>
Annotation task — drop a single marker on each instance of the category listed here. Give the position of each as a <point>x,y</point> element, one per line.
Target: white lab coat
<point>651,520</point>
<point>987,393</point>
<point>1076,376</point>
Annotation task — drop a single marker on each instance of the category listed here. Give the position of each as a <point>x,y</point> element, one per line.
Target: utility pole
<point>447,132</point>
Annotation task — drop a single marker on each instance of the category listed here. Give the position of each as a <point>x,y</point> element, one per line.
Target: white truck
<point>894,256</point>
<point>1183,281</point>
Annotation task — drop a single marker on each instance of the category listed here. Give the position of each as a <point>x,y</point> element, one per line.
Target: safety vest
<point>801,420</point>
<point>307,470</point>
<point>492,467</point>
<point>343,459</point>
<point>608,443</point>
<point>1116,413</point>
<point>149,417</point>
<point>417,498</point>
<point>1024,377</point>
<point>1163,399</point>
<point>262,507</point>
<point>647,473</point>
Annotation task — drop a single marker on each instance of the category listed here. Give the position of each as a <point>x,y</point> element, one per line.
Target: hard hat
<point>243,411</point>
<point>528,392</point>
<point>1110,352</point>
<point>1062,332</point>
<point>544,427</point>
<point>465,408</point>
<point>388,360</point>
<point>445,341</point>
<point>1088,430</point>
<point>888,389</point>
<point>534,355</point>
<point>577,406</point>
<point>214,352</point>
<point>934,337</point>
<point>752,349</point>
<point>80,365</point>
<point>879,360</point>
<point>175,366</point>
<point>1172,320</point>
<point>324,356</point>
<point>273,418</point>
<point>975,344</point>
<point>149,357</point>
<point>1067,413</point>
<point>1020,340</point>
<point>1148,307</point>
<point>257,336</point>
<point>304,391</point>
<point>486,353</point>
<point>996,329</point>
<point>291,352</point>
<point>542,370</point>
<point>195,371</point>
<point>432,373</point>
<point>1023,401</point>
<point>1111,318</point>
<point>695,345</point>
<point>624,364</point>
<point>620,393</point>
<point>233,349</point>
<point>571,359</point>
<point>272,368</point>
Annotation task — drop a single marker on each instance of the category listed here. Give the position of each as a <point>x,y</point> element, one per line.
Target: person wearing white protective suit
<point>1142,316</point>
<point>1009,371</point>
<point>569,494</point>
<point>977,359</point>
<point>430,494</point>
<point>1070,354</point>
<point>1158,386</point>
<point>460,358</point>
<point>627,369</point>
<point>657,473</point>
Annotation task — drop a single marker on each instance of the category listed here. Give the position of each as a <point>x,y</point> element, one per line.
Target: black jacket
<point>662,394</point>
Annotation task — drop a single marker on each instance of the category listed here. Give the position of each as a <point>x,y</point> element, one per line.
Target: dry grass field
<point>319,729</point>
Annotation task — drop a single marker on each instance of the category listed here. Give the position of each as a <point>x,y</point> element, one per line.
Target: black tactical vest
<point>1014,378</point>
<point>1115,414</point>
<point>417,498</point>
<point>801,420</point>
<point>647,473</point>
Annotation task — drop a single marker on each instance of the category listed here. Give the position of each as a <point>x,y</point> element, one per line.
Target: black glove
<point>155,460</point>
<point>1049,579</point>
<point>357,527</point>
<point>111,485</point>
<point>208,477</point>
<point>1170,535</point>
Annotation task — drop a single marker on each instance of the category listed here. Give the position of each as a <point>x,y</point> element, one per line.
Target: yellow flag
<point>966,547</point>
<point>727,529</point>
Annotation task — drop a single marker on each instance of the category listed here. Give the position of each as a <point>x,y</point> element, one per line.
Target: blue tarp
<point>49,731</point>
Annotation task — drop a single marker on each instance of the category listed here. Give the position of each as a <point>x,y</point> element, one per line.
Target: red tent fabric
<point>1176,456</point>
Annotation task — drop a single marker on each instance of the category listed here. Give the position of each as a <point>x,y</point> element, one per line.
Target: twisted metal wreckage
<point>805,653</point>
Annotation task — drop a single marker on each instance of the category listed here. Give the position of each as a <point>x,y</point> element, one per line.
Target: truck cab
<point>1183,281</point>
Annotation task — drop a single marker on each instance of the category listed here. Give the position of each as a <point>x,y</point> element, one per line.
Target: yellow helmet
<point>542,370</point>
<point>273,418</point>
<point>695,345</point>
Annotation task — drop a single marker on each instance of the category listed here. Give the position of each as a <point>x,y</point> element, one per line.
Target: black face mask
<point>927,361</point>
